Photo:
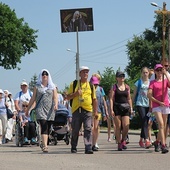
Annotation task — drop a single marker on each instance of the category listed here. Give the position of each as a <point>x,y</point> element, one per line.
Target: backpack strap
<point>74,85</point>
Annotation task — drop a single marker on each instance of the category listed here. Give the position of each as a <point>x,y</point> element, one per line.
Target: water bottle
<point>149,114</point>
<point>132,115</point>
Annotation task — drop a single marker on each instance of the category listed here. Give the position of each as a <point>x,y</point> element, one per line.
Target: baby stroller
<point>19,130</point>
<point>60,127</point>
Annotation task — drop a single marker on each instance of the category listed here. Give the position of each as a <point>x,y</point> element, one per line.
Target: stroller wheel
<point>55,141</point>
<point>67,142</point>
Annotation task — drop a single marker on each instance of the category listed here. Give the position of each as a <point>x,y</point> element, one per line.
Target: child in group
<point>152,125</point>
<point>28,125</point>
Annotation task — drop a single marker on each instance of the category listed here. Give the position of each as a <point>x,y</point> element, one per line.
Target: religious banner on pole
<point>73,18</point>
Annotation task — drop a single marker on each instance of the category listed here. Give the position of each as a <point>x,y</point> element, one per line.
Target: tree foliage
<point>33,82</point>
<point>16,38</point>
<point>146,50</point>
<point>107,78</point>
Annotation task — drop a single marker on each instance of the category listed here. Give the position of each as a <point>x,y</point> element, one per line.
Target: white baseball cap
<point>84,68</point>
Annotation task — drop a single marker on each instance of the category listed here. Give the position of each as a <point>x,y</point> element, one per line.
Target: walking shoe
<point>127,141</point>
<point>33,141</point>
<point>109,140</point>
<point>25,140</point>
<point>147,144</point>
<point>73,150</point>
<point>97,146</point>
<point>164,149</point>
<point>94,148</point>
<point>88,151</point>
<point>141,144</point>
<point>156,145</point>
<point>124,145</point>
<point>119,147</point>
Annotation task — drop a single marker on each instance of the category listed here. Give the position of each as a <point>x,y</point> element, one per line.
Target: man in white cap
<point>84,102</point>
<point>23,96</point>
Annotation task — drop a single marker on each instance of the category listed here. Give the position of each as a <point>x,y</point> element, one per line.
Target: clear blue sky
<point>115,22</point>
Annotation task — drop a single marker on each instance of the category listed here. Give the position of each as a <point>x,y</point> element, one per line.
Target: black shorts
<point>118,112</point>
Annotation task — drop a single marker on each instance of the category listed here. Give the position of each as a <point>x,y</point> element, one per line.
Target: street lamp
<point>77,63</point>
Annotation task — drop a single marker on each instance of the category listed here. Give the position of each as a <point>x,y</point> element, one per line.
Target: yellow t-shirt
<point>85,100</point>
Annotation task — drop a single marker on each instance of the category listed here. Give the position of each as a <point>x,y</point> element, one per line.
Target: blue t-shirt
<point>142,99</point>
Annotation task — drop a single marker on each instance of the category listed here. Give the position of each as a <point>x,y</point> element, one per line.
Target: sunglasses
<point>24,105</point>
<point>166,65</point>
<point>158,70</point>
<point>44,73</point>
<point>121,76</point>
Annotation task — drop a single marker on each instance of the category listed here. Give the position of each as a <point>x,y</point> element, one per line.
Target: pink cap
<point>94,80</point>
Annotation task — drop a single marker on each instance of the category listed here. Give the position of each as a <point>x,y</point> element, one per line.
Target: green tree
<point>16,38</point>
<point>33,82</point>
<point>146,49</point>
<point>107,78</point>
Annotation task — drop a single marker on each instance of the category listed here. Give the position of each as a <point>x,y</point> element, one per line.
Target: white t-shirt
<point>24,97</point>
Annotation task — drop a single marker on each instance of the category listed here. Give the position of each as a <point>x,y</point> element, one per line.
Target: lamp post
<point>77,62</point>
<point>77,56</point>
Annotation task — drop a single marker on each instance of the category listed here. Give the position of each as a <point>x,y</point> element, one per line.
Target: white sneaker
<point>97,146</point>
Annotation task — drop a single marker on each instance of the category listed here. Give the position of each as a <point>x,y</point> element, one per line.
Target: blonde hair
<point>97,75</point>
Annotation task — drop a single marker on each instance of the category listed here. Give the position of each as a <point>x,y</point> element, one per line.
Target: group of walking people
<point>88,106</point>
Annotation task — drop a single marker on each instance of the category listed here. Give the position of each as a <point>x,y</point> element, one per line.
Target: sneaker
<point>109,140</point>
<point>141,144</point>
<point>33,141</point>
<point>97,146</point>
<point>94,148</point>
<point>73,150</point>
<point>148,144</point>
<point>156,145</point>
<point>88,151</point>
<point>119,147</point>
<point>124,145</point>
<point>127,141</point>
<point>164,149</point>
<point>25,140</point>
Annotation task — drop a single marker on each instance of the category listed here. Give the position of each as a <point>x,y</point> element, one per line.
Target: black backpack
<point>74,86</point>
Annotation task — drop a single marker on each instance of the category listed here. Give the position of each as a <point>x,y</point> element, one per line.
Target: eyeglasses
<point>158,70</point>
<point>24,105</point>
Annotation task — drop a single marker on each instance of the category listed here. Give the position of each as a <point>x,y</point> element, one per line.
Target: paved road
<point>60,158</point>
